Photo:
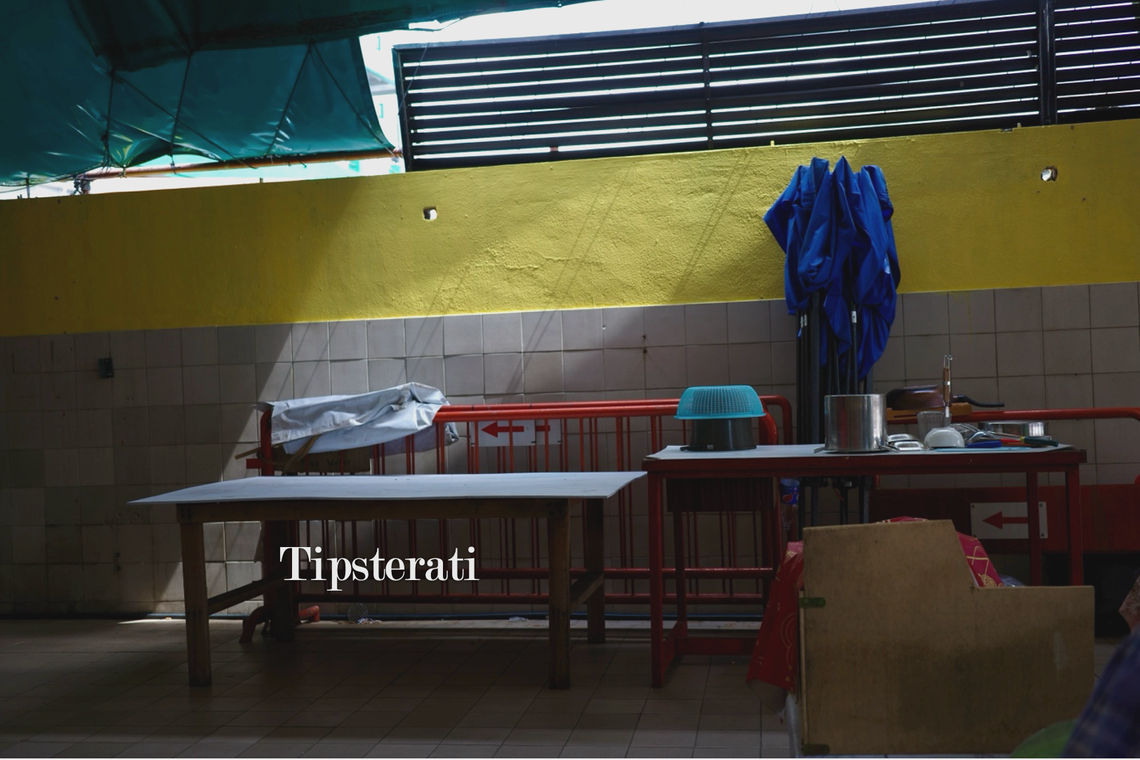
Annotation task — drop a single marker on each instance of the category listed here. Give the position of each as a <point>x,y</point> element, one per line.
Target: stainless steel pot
<point>855,423</point>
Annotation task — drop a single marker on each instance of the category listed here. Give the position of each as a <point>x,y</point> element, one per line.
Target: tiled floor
<point>98,688</point>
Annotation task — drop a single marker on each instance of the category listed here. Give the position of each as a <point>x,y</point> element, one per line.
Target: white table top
<point>521,485</point>
<point>677,453</point>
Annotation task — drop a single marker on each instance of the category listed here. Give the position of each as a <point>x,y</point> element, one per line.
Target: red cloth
<point>776,655</point>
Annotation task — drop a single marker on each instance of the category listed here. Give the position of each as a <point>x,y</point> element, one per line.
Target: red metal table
<point>808,461</point>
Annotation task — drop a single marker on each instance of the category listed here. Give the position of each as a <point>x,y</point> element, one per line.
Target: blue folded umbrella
<point>835,229</point>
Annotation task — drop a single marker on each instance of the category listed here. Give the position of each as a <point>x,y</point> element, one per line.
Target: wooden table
<point>809,461</point>
<point>279,502</point>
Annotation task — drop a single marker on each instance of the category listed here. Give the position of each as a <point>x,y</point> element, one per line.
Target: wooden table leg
<point>279,602</point>
<point>197,612</point>
<point>558,538</point>
<point>656,586</point>
<point>1034,528</point>
<point>595,563</point>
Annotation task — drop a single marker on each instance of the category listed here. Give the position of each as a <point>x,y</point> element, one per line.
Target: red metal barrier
<point>591,435</point>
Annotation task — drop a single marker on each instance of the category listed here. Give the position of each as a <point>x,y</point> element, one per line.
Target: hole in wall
<point>430,213</point>
<point>1049,174</point>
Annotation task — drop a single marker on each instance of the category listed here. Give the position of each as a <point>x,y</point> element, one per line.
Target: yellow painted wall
<point>971,212</point>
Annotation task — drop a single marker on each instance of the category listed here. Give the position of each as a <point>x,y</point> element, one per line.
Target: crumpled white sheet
<point>365,419</point>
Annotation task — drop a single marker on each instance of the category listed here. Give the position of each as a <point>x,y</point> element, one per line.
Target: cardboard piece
<point>905,655</point>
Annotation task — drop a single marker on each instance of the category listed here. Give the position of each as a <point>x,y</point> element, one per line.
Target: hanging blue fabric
<point>835,229</point>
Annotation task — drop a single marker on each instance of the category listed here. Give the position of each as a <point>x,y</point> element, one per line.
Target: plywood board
<point>907,656</point>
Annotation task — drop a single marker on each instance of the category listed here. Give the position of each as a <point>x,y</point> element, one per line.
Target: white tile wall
<point>77,448</point>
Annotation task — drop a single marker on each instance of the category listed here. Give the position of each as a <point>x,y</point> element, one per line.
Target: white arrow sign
<point>1004,519</point>
<point>518,433</point>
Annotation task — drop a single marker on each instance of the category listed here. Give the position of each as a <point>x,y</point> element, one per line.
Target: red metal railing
<point>731,554</point>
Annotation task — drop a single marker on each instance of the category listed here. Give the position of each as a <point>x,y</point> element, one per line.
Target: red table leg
<point>1034,528</point>
<point>1074,510</point>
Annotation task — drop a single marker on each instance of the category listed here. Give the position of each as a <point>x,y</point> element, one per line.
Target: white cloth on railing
<point>365,419</point>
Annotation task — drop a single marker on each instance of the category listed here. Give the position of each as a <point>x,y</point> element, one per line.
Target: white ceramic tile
<point>707,365</point>
<point>1066,307</point>
<point>427,370</point>
<point>238,423</point>
<point>462,334</point>
<point>128,349</point>
<point>61,467</point>
<point>310,342</point>
<point>166,425</point>
<point>57,353</point>
<point>1020,353</point>
<point>348,340</point>
<point>583,370</point>
<point>1117,442</point>
<point>623,327</point>
<point>132,466</point>
<point>502,333</point>
<point>1069,391</point>
<point>311,379</point>
<point>272,344</point>
<point>1116,388</point>
<point>274,381</point>
<point>1021,392</point>
<point>624,369</point>
<point>385,338</point>
<point>750,364</point>
<point>349,377</point>
<point>1016,309</point>
<point>129,427</point>
<point>783,362</point>
<point>203,465</point>
<point>241,541</point>
<point>784,326</point>
<point>129,388</point>
<point>541,331</point>
<point>749,322</point>
<point>975,355</point>
<point>59,430</point>
<point>1116,349</point>
<point>28,545</point>
<point>203,423</point>
<point>164,386</point>
<point>1115,305</point>
<point>201,384</point>
<point>26,430</point>
<point>582,329</point>
<point>90,348</point>
<point>1113,474</point>
<point>542,372</point>
<point>237,383</point>
<point>706,323</point>
<point>58,390</point>
<point>926,313</point>
<point>665,367</point>
<point>664,325</point>
<point>96,467</point>
<point>92,391</point>
<point>423,336</point>
<point>502,373</point>
<point>971,311</point>
<point>25,392</point>
<point>1067,351</point>
<point>463,375</point>
<point>236,345</point>
<point>386,373</point>
<point>924,355</point>
<point>167,465</point>
<point>199,346</point>
<point>93,427</point>
<point>163,348</point>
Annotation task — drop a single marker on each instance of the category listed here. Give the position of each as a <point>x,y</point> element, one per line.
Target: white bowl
<point>944,438</point>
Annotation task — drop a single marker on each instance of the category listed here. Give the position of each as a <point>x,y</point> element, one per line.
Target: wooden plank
<point>368,509</point>
<point>242,593</point>
<point>595,558</point>
<point>939,665</point>
<point>197,612</point>
<point>583,588</point>
<point>280,602</point>
<point>558,539</point>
